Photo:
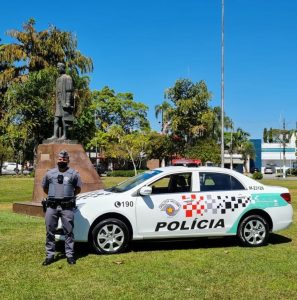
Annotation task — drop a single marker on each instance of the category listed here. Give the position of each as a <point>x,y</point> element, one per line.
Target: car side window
<point>175,183</point>
<point>235,184</point>
<point>218,182</point>
<point>161,186</point>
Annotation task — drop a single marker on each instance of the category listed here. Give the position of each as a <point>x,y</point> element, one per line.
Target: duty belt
<point>60,199</point>
<point>65,203</point>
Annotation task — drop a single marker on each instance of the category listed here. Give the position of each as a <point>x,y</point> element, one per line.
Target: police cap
<point>64,154</point>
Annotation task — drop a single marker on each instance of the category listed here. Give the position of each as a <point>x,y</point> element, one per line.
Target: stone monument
<point>48,150</point>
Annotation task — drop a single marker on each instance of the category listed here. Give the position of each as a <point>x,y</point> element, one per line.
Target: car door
<point>161,214</point>
<point>224,200</point>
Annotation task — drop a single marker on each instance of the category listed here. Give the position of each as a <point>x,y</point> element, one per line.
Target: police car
<point>181,202</point>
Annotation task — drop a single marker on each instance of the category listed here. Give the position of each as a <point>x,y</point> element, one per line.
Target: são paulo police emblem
<point>170,206</point>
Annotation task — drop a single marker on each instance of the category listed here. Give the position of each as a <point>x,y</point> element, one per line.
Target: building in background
<point>277,155</point>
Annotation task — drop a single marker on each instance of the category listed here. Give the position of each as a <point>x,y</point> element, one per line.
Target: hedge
<point>123,173</point>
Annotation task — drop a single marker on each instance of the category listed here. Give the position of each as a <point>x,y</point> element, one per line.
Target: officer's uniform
<point>60,203</point>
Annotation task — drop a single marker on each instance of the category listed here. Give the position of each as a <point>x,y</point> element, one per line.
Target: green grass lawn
<point>200,269</point>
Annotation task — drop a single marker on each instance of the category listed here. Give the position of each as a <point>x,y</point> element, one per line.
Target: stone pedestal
<point>47,159</point>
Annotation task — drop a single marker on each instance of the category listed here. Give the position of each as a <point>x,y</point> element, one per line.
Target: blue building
<point>257,162</point>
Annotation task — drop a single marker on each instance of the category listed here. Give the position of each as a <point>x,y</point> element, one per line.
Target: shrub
<point>123,173</point>
<point>292,172</point>
<point>257,175</point>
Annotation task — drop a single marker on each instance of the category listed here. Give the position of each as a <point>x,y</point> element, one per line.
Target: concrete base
<point>47,159</point>
<point>28,208</point>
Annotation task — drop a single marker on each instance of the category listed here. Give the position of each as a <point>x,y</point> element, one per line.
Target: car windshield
<point>133,181</point>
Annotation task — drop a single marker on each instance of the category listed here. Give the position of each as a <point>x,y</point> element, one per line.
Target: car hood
<point>91,195</point>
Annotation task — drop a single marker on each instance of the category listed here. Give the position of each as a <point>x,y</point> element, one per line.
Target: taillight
<point>286,197</point>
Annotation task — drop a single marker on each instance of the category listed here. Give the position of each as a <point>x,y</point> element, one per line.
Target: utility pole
<point>222,90</point>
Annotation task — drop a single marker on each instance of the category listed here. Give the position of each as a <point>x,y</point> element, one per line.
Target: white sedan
<point>181,202</point>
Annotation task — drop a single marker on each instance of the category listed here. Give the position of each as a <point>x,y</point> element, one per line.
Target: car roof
<point>202,168</point>
<point>242,177</point>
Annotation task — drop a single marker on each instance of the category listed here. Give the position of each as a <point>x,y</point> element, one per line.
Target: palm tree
<point>248,152</point>
<point>165,110</point>
<point>243,145</point>
<point>216,123</point>
<point>229,125</point>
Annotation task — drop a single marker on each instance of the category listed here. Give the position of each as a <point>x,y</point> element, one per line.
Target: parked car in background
<point>268,170</point>
<point>101,169</point>
<point>10,168</point>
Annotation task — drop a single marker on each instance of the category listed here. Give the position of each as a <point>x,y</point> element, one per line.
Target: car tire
<point>253,231</point>
<point>110,236</point>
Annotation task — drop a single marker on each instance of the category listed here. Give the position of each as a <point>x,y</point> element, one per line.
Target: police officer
<point>61,184</point>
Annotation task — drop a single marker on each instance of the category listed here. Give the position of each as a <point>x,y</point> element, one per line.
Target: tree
<point>6,152</point>
<point>132,145</point>
<point>34,51</point>
<point>165,110</point>
<point>205,150</point>
<point>28,116</point>
<point>240,144</point>
<point>248,151</point>
<point>212,121</point>
<point>265,135</point>
<point>190,104</point>
<point>190,117</point>
<point>161,147</point>
<point>84,128</point>
<point>122,125</point>
<point>119,109</point>
<point>270,136</point>
<point>27,80</point>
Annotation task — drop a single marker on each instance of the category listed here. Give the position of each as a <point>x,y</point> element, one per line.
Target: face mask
<point>62,164</point>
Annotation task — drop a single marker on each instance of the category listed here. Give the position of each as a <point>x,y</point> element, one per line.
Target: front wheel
<point>110,236</point>
<point>253,231</point>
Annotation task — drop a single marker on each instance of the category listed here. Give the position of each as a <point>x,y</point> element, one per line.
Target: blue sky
<point>144,46</point>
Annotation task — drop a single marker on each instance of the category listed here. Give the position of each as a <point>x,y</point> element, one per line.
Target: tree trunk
<point>131,157</point>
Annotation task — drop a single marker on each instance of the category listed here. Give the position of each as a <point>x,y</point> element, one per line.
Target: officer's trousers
<point>51,221</point>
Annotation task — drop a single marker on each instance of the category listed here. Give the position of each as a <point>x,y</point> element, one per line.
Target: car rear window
<point>218,182</point>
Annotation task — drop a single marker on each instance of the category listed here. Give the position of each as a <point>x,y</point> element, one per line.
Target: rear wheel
<point>253,231</point>
<point>110,236</point>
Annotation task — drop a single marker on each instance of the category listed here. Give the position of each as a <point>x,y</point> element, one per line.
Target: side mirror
<point>145,191</point>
